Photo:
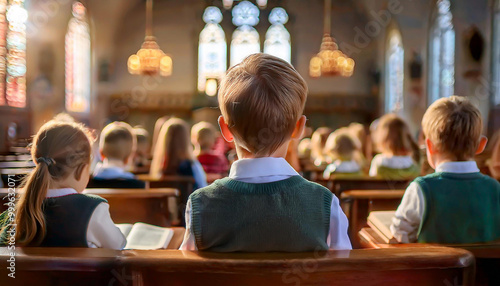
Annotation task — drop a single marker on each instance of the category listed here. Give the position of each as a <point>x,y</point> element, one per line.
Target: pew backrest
<point>405,266</point>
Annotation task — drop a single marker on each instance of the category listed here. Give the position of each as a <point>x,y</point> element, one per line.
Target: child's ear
<point>79,171</point>
<point>430,146</point>
<point>482,144</point>
<point>299,128</point>
<point>226,133</point>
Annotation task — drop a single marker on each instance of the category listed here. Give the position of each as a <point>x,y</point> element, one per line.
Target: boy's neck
<point>110,162</point>
<point>245,154</point>
<point>440,159</point>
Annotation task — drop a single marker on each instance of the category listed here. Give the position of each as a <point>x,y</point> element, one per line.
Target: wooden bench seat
<point>487,254</point>
<point>405,266</point>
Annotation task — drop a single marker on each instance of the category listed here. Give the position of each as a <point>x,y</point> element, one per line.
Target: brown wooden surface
<point>357,205</point>
<point>487,254</point>
<point>339,185</point>
<point>16,164</point>
<point>131,205</point>
<point>405,266</point>
<point>184,184</point>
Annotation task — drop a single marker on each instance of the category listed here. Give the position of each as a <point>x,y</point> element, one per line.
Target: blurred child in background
<point>341,149</point>
<point>396,144</point>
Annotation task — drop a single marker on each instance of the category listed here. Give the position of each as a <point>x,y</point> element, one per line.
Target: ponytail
<point>30,220</point>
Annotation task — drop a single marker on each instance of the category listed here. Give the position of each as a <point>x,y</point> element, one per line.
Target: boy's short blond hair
<point>204,134</point>
<point>261,100</point>
<point>454,127</point>
<point>117,141</point>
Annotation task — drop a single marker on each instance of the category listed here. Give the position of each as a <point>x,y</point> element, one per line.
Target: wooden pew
<point>184,184</point>
<point>339,185</point>
<point>16,164</point>
<point>487,254</point>
<point>405,266</point>
<point>129,205</point>
<point>357,204</point>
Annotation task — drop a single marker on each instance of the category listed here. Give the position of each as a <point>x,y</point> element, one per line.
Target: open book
<point>145,236</point>
<point>380,222</point>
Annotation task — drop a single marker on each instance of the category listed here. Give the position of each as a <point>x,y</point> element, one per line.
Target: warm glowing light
<point>211,87</point>
<point>150,59</point>
<point>13,19</point>
<point>330,61</point>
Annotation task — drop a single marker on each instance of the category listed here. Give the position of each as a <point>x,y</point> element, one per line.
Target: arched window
<point>212,48</point>
<point>277,37</point>
<point>78,83</point>
<point>245,39</point>
<point>394,71</point>
<point>13,17</point>
<point>495,83</point>
<point>441,53</point>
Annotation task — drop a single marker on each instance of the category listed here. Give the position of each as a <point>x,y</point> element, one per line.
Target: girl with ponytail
<point>50,210</point>
<point>399,158</point>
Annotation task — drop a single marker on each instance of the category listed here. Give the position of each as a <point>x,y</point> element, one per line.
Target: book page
<point>125,228</point>
<point>146,236</point>
<point>381,221</point>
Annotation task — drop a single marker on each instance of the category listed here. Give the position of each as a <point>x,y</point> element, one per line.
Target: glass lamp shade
<point>330,61</point>
<point>150,60</point>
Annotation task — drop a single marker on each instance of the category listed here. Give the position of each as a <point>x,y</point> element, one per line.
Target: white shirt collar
<point>458,167</point>
<point>261,170</point>
<point>51,193</point>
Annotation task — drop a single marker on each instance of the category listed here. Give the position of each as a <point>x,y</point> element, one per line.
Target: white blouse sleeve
<point>409,215</point>
<point>102,232</point>
<point>376,161</point>
<point>338,238</point>
<point>189,242</point>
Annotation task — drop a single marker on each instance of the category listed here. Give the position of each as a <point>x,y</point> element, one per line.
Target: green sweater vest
<point>291,215</point>
<point>459,208</point>
<point>411,172</point>
<point>66,218</point>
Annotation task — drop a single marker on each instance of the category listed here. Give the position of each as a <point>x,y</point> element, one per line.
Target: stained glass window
<point>245,40</point>
<point>78,83</point>
<point>13,18</point>
<point>277,41</point>
<point>441,53</point>
<point>495,83</point>
<point>394,72</point>
<point>212,48</point>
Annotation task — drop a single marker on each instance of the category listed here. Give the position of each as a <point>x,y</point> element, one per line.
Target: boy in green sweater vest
<point>456,204</point>
<point>264,204</point>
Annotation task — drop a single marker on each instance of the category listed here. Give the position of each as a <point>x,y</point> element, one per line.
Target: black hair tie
<point>47,161</point>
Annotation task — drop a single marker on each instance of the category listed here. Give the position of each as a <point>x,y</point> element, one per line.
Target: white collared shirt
<point>266,170</point>
<point>394,162</point>
<point>111,169</point>
<point>410,212</point>
<point>341,167</point>
<point>101,231</point>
